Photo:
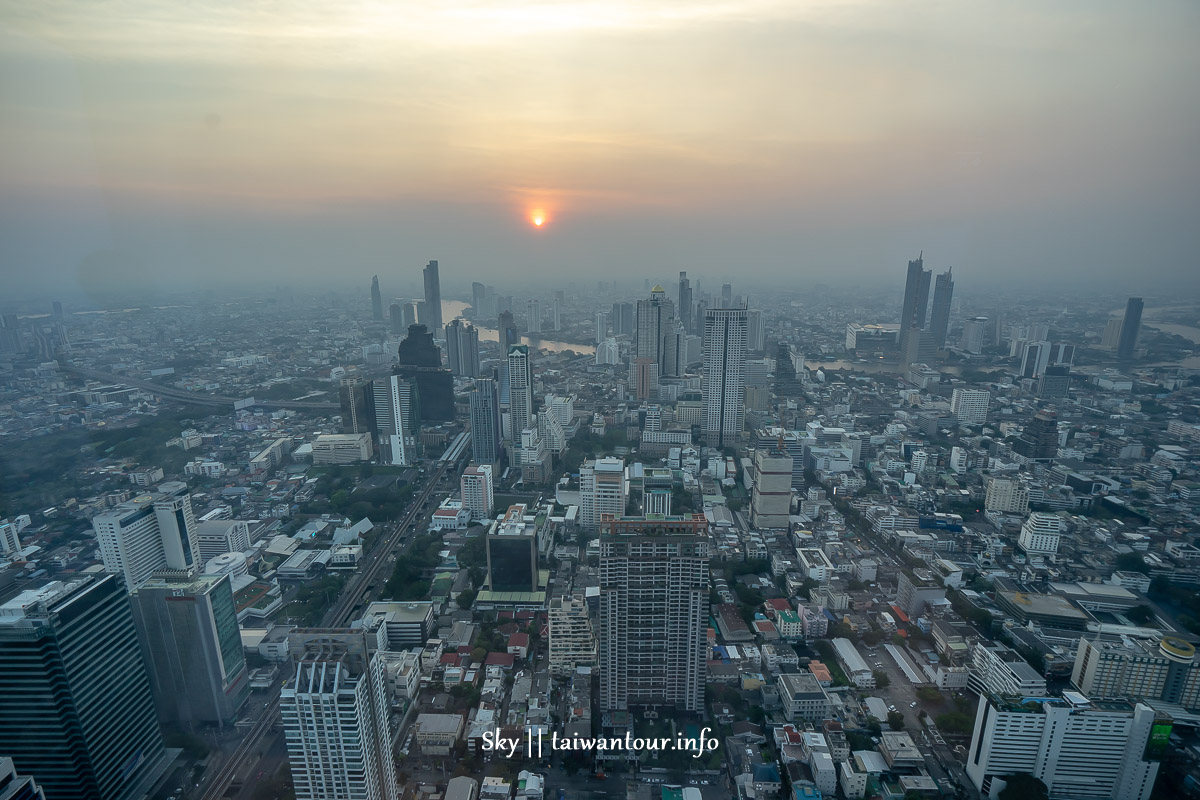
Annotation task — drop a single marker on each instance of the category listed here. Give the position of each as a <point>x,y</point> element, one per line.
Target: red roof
<point>500,660</point>
<point>519,640</point>
<point>764,625</point>
<point>449,659</point>
<point>779,604</point>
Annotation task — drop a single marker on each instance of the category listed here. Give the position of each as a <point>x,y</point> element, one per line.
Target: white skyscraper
<point>601,326</point>
<point>149,533</point>
<point>535,316</point>
<point>602,490</point>
<point>970,406</point>
<point>520,391</point>
<point>1075,747</point>
<point>476,488</point>
<point>336,722</point>
<point>393,398</point>
<point>724,383</point>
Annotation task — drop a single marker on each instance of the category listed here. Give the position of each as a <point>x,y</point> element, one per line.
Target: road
<point>265,736</point>
<point>195,398</point>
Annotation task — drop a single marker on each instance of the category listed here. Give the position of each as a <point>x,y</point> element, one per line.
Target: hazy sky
<point>762,141</point>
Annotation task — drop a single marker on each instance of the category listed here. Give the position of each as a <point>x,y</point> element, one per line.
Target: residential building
<point>486,433</point>
<point>939,313</point>
<point>723,384</point>
<point>771,498</point>
<point>1006,495</point>
<point>970,406</point>
<point>998,669</point>
<point>475,486</point>
<point>602,490</point>
<point>1130,328</point>
<point>462,348</point>
<point>396,407</point>
<point>149,533</point>
<point>520,391</point>
<point>1040,533</point>
<point>572,642</point>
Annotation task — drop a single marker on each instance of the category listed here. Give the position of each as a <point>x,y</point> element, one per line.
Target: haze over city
<point>155,146</point>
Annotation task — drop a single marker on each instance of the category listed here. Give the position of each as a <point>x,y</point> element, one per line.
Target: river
<point>453,309</point>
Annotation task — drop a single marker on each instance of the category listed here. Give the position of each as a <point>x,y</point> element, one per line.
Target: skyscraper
<point>187,624</point>
<point>336,720</point>
<point>653,612</point>
<point>916,300</point>
<point>520,391</point>
<point>1039,440</point>
<point>601,326</point>
<point>508,331</point>
<point>396,318</point>
<point>478,292</point>
<point>1131,326</point>
<point>512,554</point>
<point>485,422</point>
<point>939,315</point>
<point>622,319</point>
<point>146,534</point>
<point>684,303</point>
<point>76,710</point>
<point>786,382</point>
<point>353,391</point>
<point>433,297</point>
<point>475,486</point>
<point>602,490</point>
<point>421,362</point>
<point>376,300</point>
<point>462,348</point>
<point>655,317</point>
<point>533,316</point>
<point>726,295</point>
<point>396,405</point>
<point>17,787</point>
<point>756,335</point>
<point>724,375</point>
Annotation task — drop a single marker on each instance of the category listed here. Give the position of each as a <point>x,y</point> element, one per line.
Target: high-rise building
<point>1035,357</point>
<point>1006,495</point>
<point>1109,666</point>
<point>974,336</point>
<point>10,535</point>
<point>433,297</point>
<point>916,300</point>
<point>771,500</point>
<point>970,406</point>
<point>602,490</point>
<point>149,533</point>
<point>684,304</point>
<point>17,787</point>
<point>486,436</point>
<point>939,314</point>
<point>396,405</point>
<point>421,364</point>
<point>76,709</point>
<point>216,537</point>
<point>512,554</point>
<point>1075,747</point>
<point>336,720</point>
<point>475,486</point>
<point>520,391</point>
<point>726,295</point>
<point>509,335</point>
<point>1131,326</point>
<point>187,624</point>
<point>623,319</point>
<point>724,383</point>
<point>396,318</point>
<point>354,394</point>
<point>1055,382</point>
<point>653,631</point>
<point>674,352</point>
<point>572,642</point>
<point>608,353</point>
<point>462,348</point>
<point>601,326</point>
<point>756,332</point>
<point>654,319</point>
<point>1112,333</point>
<point>478,292</point>
<point>1039,440</point>
<point>556,311</point>
<point>376,300</point>
<point>534,316</point>
<point>643,377</point>
<point>787,383</point>
<point>1040,534</point>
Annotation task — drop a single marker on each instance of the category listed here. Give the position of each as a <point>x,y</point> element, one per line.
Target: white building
<point>149,533</point>
<point>342,448</point>
<point>10,530</point>
<point>572,642</point>
<point>217,536</point>
<point>970,406</point>
<point>608,353</point>
<point>1041,533</point>
<point>451,515</point>
<point>855,667</point>
<point>602,490</point>
<point>475,486</point>
<point>336,723</point>
<point>999,669</point>
<point>1075,747</point>
<point>958,460</point>
<point>1006,495</point>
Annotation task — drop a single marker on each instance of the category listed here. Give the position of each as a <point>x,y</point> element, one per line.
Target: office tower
<point>1112,333</point>
<point>654,320</point>
<point>336,720</point>
<point>478,293</point>
<point>607,352</point>
<point>623,319</point>
<point>1111,667</point>
<point>396,404</point>
<point>1006,495</point>
<point>520,390</point>
<point>758,372</point>
<point>1131,326</point>
<point>1035,356</point>
<point>408,315</point>
<point>148,533</point>
<point>556,312</point>
<point>421,363</point>
<point>512,552</point>
<point>1040,533</point>
<point>475,486</point>
<point>216,537</point>
<point>939,314</point>
<point>916,300</point>
<point>396,318</point>
<point>724,375</point>
<point>421,316</point>
<point>684,303</point>
<point>653,632</point>
<point>188,628</point>
<point>1039,440</point>
<point>534,316</point>
<point>970,406</point>
<point>1054,383</point>
<point>433,297</point>
<point>756,334</point>
<point>601,326</point>
<point>674,351</point>
<point>17,787</point>
<point>1075,747</point>
<point>485,422</point>
<point>786,382</point>
<point>602,490</point>
<point>508,332</point>
<point>76,710</point>
<point>376,300</point>
<point>771,499</point>
<point>644,378</point>
<point>974,334</point>
<point>462,348</point>
<point>353,392</point>
<point>726,295</point>
<point>571,642</point>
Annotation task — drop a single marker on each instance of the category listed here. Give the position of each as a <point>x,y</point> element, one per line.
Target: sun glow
<point>538,218</point>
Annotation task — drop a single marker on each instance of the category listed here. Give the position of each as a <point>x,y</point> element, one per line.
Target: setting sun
<point>538,218</point>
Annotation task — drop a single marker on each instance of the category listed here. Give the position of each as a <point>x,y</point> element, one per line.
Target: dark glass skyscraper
<point>916,300</point>
<point>939,315</point>
<point>376,300</point>
<point>684,305</point>
<point>76,710</point>
<point>421,362</point>
<point>509,335</point>
<point>433,297</point>
<point>1130,328</point>
<point>485,422</point>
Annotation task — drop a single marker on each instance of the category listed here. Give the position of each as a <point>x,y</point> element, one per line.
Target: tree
<point>955,722</point>
<point>1140,614</point>
<point>1023,786</point>
<point>928,694</point>
<point>466,598</point>
<point>478,655</point>
<point>1132,562</point>
<point>882,681</point>
<point>895,720</point>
